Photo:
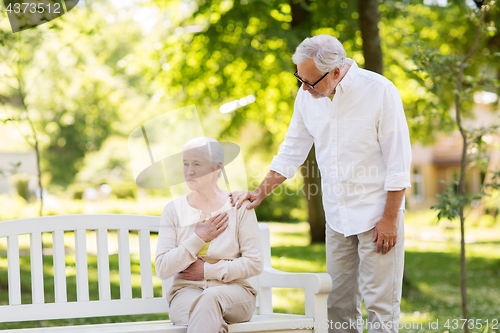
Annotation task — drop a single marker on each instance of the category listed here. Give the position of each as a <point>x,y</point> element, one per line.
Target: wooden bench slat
<point>124,264</point>
<point>36,260</point>
<point>276,323</point>
<point>265,295</point>
<point>82,273</point>
<point>59,266</point>
<point>78,221</point>
<point>259,323</point>
<point>163,326</point>
<point>14,271</point>
<point>103,265</point>
<point>146,268</point>
<point>115,307</point>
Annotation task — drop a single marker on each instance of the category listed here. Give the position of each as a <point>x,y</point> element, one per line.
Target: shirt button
<point>333,117</point>
<point>333,140</point>
<point>341,203</point>
<point>333,163</point>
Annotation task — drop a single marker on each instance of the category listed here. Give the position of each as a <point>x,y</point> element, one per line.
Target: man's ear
<point>336,72</point>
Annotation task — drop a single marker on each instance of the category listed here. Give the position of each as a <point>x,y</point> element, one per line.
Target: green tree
<point>14,64</point>
<point>447,29</point>
<point>453,71</point>
<point>243,48</point>
<point>67,79</point>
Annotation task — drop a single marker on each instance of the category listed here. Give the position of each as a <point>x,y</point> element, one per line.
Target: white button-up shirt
<point>362,147</point>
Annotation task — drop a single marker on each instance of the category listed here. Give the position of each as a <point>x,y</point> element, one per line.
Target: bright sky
<point>123,3</point>
<point>443,3</point>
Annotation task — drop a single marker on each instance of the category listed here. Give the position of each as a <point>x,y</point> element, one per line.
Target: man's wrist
<point>259,193</point>
<point>390,218</point>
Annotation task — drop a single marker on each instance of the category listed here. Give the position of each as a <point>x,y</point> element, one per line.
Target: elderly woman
<point>210,247</point>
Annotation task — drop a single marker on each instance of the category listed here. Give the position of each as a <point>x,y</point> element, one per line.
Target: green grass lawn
<point>431,267</point>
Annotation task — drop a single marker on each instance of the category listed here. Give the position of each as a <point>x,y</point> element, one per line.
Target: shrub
<point>76,190</point>
<point>285,204</point>
<point>21,184</point>
<point>124,190</point>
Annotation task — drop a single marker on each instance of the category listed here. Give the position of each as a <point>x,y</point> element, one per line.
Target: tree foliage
<point>245,48</point>
<point>454,71</point>
<point>66,72</point>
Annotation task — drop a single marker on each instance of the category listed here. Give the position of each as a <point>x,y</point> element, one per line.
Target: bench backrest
<point>83,307</point>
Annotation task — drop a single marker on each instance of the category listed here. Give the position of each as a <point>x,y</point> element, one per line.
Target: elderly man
<point>355,119</point>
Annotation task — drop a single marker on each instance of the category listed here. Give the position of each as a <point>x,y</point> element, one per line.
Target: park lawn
<point>432,268</point>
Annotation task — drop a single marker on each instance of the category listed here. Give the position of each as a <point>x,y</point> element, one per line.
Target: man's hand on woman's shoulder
<point>238,197</point>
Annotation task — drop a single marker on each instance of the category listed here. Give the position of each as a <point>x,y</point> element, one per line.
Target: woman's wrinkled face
<point>198,170</point>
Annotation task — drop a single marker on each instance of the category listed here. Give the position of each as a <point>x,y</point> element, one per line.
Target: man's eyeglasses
<point>307,83</point>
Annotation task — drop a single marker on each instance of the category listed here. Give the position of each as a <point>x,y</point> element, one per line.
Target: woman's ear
<point>218,167</point>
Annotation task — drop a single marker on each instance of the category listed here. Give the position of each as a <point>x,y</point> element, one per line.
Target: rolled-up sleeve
<point>297,144</point>
<point>394,139</point>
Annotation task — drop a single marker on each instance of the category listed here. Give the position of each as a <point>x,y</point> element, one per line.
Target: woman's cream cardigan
<point>232,257</point>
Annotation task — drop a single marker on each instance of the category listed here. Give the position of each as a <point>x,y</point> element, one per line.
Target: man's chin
<point>315,95</point>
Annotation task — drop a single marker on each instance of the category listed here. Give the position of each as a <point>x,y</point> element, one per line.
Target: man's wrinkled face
<point>310,74</point>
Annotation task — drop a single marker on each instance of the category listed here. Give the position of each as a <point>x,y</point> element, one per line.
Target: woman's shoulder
<point>244,213</point>
<point>173,206</point>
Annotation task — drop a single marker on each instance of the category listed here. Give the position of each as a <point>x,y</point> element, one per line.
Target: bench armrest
<point>316,283</point>
<point>316,288</point>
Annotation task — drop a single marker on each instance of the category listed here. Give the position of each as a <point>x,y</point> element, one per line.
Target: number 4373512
<point>33,8</point>
<point>472,324</point>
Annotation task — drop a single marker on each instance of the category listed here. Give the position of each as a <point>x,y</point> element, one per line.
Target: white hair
<point>210,148</point>
<point>326,51</point>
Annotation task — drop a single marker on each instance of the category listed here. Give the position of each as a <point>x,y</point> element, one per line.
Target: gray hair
<point>210,148</point>
<point>326,51</point>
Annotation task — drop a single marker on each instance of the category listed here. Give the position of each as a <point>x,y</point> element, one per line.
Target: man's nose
<point>305,87</point>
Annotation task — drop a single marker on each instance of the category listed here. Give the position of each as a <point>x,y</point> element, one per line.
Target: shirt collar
<point>349,77</point>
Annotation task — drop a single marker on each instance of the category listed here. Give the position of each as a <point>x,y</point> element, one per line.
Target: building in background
<point>436,166</point>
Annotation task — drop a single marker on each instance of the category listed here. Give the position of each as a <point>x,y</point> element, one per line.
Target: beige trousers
<point>209,308</point>
<point>360,273</point>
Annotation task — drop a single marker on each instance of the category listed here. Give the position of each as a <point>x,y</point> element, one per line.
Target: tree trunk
<point>462,192</point>
<point>312,188</point>
<point>36,144</point>
<point>310,170</point>
<point>300,13</point>
<point>463,169</point>
<point>368,23</point>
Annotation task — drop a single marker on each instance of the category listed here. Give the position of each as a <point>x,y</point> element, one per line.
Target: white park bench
<point>316,285</point>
